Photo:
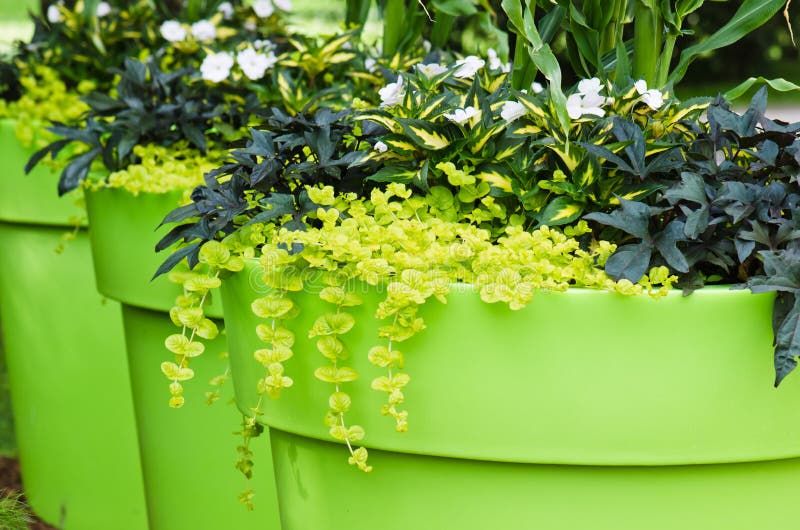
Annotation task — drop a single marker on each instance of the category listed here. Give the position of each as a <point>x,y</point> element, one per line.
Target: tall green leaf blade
<point>750,15</point>
<point>780,84</point>
<point>541,55</point>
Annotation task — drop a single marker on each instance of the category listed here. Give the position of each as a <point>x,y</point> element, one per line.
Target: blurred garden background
<point>768,52</point>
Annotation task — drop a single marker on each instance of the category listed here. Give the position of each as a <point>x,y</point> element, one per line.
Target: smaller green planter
<point>70,390</point>
<point>188,454</point>
<point>585,409</point>
<point>32,199</point>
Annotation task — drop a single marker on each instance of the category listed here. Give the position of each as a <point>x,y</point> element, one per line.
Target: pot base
<point>188,454</point>
<point>69,383</point>
<point>414,491</point>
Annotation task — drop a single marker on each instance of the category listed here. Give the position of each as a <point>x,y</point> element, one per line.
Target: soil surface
<point>10,481</point>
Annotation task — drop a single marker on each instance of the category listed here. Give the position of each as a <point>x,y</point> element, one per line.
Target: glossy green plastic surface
<point>124,236</point>
<point>41,186</point>
<point>69,384</point>
<point>319,491</point>
<point>583,377</point>
<point>583,410</point>
<point>188,454</point>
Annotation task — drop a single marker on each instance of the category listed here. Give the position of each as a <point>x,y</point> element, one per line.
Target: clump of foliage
<point>43,97</point>
<point>266,179</point>
<point>394,239</point>
<point>14,514</point>
<point>88,38</point>
<point>150,107</point>
<point>729,212</point>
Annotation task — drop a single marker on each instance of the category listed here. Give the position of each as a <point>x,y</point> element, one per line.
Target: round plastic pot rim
<point>520,341</point>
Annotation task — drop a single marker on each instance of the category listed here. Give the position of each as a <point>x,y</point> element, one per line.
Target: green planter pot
<point>65,355</point>
<point>31,199</point>
<point>188,454</point>
<point>586,409</point>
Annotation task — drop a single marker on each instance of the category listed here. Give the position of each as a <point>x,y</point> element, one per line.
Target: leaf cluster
<point>265,179</point>
<point>84,46</point>
<point>150,107</point>
<point>728,213</point>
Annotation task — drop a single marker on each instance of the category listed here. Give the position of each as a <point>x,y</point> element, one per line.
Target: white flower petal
<point>226,8</point>
<point>512,110</point>
<point>173,31</point>
<point>204,30</point>
<point>103,9</point>
<point>594,111</point>
<point>392,94</point>
<point>254,64</point>
<point>380,147</point>
<point>640,86</point>
<point>590,87</point>
<point>537,88</point>
<point>468,66</point>
<point>574,106</point>
<point>431,69</point>
<point>283,5</point>
<point>462,116</point>
<point>54,14</point>
<point>263,8</point>
<point>216,67</point>
<point>653,98</point>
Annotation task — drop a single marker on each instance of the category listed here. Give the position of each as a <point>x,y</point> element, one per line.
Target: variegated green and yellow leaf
<point>425,134</point>
<point>496,180</point>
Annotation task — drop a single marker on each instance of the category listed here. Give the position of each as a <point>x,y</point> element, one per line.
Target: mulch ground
<point>10,481</point>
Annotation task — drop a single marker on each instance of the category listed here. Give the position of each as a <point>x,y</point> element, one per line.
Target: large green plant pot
<point>188,454</point>
<point>70,390</point>
<point>586,409</point>
<point>31,199</point>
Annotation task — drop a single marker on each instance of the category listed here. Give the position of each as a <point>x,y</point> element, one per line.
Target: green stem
<point>393,26</point>
<point>612,33</point>
<point>647,36</point>
<point>356,12</point>
<point>524,70</point>
<point>665,61</point>
<point>440,32</point>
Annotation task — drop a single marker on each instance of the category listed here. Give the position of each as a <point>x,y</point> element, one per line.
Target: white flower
<point>254,64</point>
<point>283,5</point>
<point>512,110</point>
<point>216,67</point>
<point>495,63</point>
<point>462,116</point>
<point>431,69</point>
<point>173,31</point>
<point>392,94</point>
<point>54,14</point>
<point>380,147</point>
<point>537,88</point>
<point>263,8</point>
<point>204,30</point>
<point>652,97</point>
<point>590,87</point>
<point>249,25</point>
<point>369,64</point>
<point>469,66</point>
<point>261,44</point>
<point>426,45</point>
<point>578,106</point>
<point>103,9</point>
<point>226,8</point>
